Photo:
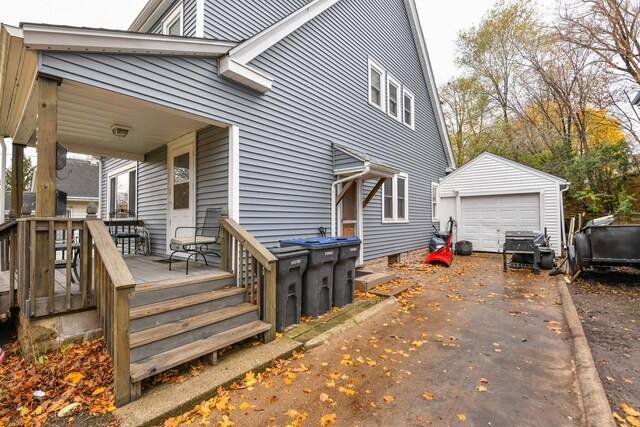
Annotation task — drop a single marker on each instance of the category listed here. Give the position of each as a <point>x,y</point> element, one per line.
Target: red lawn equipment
<point>444,253</point>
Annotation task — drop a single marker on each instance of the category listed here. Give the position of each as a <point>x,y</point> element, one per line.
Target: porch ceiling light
<point>120,131</point>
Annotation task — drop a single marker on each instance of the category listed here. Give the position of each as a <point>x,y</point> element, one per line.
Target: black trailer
<point>603,246</point>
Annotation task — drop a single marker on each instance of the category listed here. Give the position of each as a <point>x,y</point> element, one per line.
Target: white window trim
<point>399,100</point>
<point>395,219</point>
<point>133,166</point>
<point>435,200</point>
<point>171,19</point>
<point>406,92</point>
<point>383,84</point>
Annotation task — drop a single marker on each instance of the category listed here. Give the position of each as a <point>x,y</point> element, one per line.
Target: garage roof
<point>513,163</point>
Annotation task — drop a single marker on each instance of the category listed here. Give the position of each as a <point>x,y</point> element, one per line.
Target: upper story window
<point>393,98</point>
<point>435,207</point>
<point>409,108</point>
<point>376,85</point>
<point>395,199</point>
<point>172,23</point>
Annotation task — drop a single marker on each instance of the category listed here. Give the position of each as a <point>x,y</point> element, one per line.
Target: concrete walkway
<point>475,347</point>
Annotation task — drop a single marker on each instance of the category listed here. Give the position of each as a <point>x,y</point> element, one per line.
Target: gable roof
<point>80,179</point>
<point>234,64</point>
<point>508,162</point>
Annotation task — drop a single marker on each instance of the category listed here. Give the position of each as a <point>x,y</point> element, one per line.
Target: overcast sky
<point>441,20</point>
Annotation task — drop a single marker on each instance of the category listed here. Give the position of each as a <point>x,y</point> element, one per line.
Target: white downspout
<point>333,195</point>
<point>3,170</point>
<point>562,232</point>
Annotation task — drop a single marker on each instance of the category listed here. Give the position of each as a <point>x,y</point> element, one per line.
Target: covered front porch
<point>57,267</point>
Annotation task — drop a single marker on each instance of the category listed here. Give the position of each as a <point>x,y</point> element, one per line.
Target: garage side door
<point>486,218</point>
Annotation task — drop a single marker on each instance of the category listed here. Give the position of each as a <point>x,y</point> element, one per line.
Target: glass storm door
<point>181,209</point>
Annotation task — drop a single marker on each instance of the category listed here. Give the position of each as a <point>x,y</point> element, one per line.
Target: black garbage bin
<point>344,272</point>
<point>292,263</point>
<point>317,281</point>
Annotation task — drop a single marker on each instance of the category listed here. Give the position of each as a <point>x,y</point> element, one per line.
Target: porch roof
<point>86,114</point>
<point>347,161</point>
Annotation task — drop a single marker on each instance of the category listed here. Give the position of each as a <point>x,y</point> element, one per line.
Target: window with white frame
<point>121,189</point>
<point>393,98</point>
<point>172,23</point>
<point>408,108</point>
<point>376,85</point>
<point>435,206</point>
<point>395,199</point>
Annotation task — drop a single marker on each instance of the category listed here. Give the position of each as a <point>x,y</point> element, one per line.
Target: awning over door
<point>347,161</point>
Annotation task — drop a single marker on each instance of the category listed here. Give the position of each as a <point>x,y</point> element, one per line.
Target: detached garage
<point>491,195</point>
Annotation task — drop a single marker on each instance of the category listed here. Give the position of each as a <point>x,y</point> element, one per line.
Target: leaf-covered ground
<point>32,393</point>
<point>609,306</point>
<point>474,346</point>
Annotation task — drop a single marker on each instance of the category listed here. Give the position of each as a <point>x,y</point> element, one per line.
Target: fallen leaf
<point>75,377</point>
<point>462,417</point>
<point>244,406</point>
<point>633,421</point>
<point>629,410</point>
<point>389,399</point>
<point>428,396</point>
<point>225,422</point>
<point>98,391</point>
<point>482,388</point>
<point>328,419</point>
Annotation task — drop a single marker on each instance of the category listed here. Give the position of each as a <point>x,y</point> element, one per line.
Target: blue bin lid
<point>348,239</point>
<point>311,241</point>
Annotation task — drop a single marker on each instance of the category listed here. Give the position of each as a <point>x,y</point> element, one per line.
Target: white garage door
<point>486,218</point>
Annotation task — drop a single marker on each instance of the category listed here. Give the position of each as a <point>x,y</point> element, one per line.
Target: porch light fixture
<point>120,131</point>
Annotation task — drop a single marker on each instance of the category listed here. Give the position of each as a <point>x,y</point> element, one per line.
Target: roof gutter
<point>73,39</point>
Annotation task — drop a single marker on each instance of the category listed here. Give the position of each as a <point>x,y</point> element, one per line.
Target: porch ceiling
<point>86,115</point>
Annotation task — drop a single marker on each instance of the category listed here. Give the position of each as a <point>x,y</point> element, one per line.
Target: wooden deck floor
<point>145,270</point>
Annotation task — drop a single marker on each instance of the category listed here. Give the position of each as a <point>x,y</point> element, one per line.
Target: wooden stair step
<point>150,335</point>
<point>182,281</point>
<point>182,302</point>
<point>177,356</point>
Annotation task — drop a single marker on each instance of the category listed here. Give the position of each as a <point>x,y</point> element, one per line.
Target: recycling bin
<point>344,272</point>
<point>317,281</point>
<point>292,262</point>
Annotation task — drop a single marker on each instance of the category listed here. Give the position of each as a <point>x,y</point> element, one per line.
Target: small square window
<point>376,85</point>
<point>408,108</point>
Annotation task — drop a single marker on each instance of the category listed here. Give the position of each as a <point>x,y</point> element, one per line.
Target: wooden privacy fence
<point>8,242</point>
<point>254,266</point>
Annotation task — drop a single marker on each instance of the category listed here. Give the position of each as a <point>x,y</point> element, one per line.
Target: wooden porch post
<point>46,178</point>
<point>17,179</point>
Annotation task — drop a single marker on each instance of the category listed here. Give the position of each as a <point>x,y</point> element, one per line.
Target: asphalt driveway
<point>474,347</point>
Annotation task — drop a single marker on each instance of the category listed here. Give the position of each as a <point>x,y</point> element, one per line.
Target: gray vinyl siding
<point>152,198</point>
<point>238,20</point>
<point>189,18</point>
<point>319,97</point>
<point>212,172</point>
<point>345,161</point>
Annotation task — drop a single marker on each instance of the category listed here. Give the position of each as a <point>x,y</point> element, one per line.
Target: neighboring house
<point>325,79</point>
<point>79,179</point>
<point>491,195</point>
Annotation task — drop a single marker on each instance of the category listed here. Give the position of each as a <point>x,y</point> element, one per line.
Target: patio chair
<point>198,240</point>
<point>130,228</point>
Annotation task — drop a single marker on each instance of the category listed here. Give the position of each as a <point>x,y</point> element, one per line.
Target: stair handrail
<point>254,266</point>
<point>113,284</point>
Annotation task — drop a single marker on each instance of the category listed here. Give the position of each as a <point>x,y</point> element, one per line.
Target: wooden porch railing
<point>8,242</point>
<point>44,246</point>
<point>254,265</point>
<point>113,284</point>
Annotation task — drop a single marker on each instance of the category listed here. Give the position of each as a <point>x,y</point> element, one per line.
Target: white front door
<point>181,179</point>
